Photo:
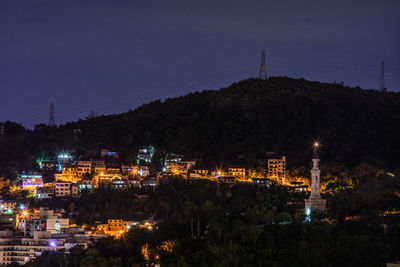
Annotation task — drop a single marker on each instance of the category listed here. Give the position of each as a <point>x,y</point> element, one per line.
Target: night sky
<point>112,56</point>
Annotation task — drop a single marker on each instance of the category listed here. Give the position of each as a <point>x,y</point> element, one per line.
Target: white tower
<point>315,203</point>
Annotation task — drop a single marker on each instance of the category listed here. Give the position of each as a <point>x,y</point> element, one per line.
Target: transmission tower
<point>263,69</point>
<point>382,86</point>
<point>51,116</point>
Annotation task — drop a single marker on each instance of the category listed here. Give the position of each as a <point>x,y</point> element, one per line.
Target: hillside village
<point>65,177</point>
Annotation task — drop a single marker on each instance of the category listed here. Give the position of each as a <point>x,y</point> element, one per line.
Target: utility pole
<point>382,86</point>
<point>263,68</point>
<point>2,134</point>
<point>51,115</point>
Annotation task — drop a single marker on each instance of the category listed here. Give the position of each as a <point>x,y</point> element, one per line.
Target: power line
<point>181,84</point>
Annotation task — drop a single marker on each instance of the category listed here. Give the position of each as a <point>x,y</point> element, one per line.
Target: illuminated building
<point>116,184</point>
<point>98,162</point>
<point>276,169</point>
<point>179,167</point>
<point>113,170</point>
<point>45,191</point>
<point>98,165</point>
<point>315,204</point>
<point>151,182</point>
<point>237,172</point>
<point>261,182</point>
<point>298,187</point>
<point>218,173</point>
<point>64,158</point>
<point>133,182</point>
<point>116,227</point>
<point>49,166</point>
<point>7,205</point>
<point>69,169</point>
<point>9,221</point>
<point>63,189</point>
<point>67,178</point>
<point>41,220</point>
<point>69,173</point>
<point>4,182</point>
<point>54,225</point>
<point>129,169</point>
<point>143,171</point>
<point>228,179</point>
<point>107,153</point>
<point>200,171</point>
<point>105,178</point>
<point>22,249</point>
<point>198,174</point>
<point>74,190</point>
<point>145,155</point>
<point>84,167</point>
<point>31,182</point>
<point>85,185</point>
<point>171,157</point>
<point>99,169</point>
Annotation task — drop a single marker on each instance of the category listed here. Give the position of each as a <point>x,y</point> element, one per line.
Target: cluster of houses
<point>68,178</point>
<point>275,172</point>
<point>26,233</point>
<point>65,177</point>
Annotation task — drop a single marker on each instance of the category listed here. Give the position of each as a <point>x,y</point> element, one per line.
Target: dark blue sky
<point>109,56</point>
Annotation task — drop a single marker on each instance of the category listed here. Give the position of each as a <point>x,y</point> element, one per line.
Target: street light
<point>53,244</point>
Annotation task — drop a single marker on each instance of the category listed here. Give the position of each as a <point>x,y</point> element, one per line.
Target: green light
<point>39,162</point>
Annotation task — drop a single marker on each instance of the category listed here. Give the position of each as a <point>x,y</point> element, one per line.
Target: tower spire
<point>382,86</point>
<point>315,153</point>
<point>263,68</point>
<point>315,203</point>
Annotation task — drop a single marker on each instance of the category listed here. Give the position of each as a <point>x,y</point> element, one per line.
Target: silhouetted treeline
<point>234,125</point>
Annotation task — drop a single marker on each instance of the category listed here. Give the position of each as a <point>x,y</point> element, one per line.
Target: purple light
<point>53,244</point>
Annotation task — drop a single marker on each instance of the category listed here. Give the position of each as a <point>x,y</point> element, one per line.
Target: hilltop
<point>233,125</point>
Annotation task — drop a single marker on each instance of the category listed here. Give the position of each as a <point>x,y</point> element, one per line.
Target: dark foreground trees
<point>202,225</point>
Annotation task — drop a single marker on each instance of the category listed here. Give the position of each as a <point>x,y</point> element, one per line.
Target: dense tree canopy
<point>243,225</point>
<point>235,125</point>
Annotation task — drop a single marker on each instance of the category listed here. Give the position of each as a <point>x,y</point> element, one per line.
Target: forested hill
<point>236,125</point>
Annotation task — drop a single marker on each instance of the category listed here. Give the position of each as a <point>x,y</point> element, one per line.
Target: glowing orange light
<point>157,257</point>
